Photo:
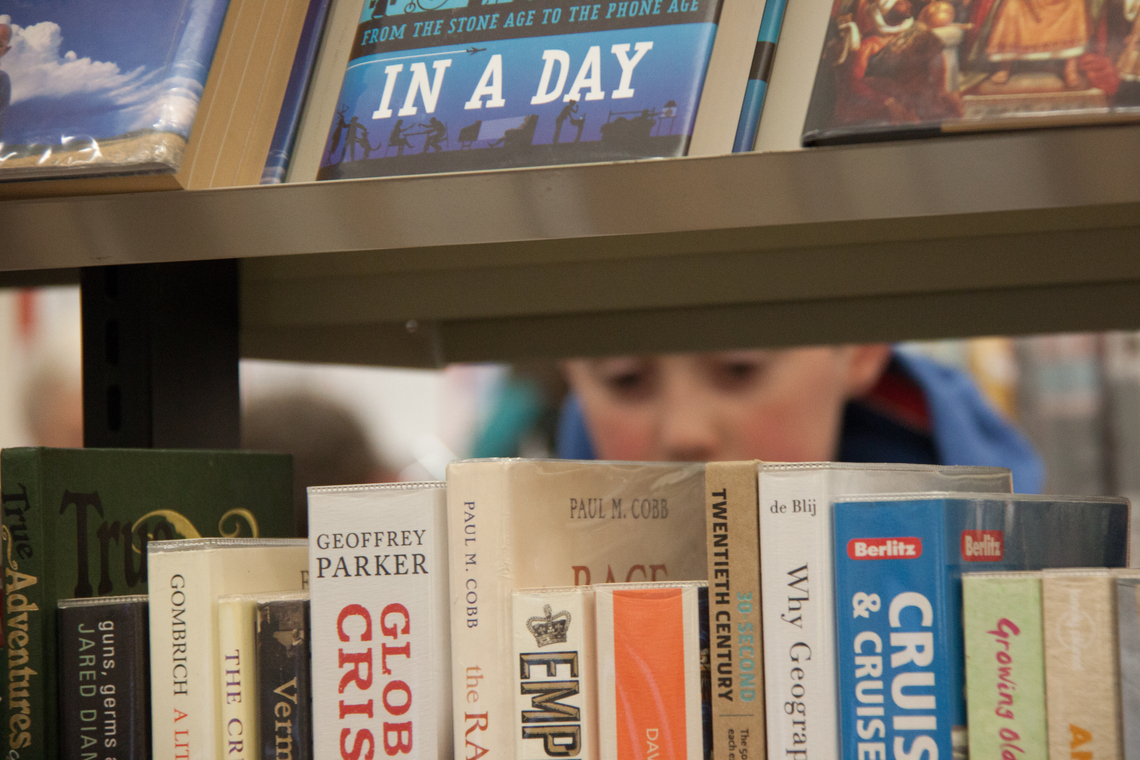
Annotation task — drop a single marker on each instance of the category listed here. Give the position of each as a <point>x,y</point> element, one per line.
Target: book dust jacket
<point>101,86</point>
<point>438,86</point>
<point>911,68</point>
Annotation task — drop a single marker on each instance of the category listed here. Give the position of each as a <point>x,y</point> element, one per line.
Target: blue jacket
<point>946,421</point>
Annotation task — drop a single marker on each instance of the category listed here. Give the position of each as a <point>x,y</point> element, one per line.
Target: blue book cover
<point>898,596</point>
<point>444,85</point>
<point>101,86</point>
<point>281,148</point>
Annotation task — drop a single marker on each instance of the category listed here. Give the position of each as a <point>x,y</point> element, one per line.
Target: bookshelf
<point>1016,233</point>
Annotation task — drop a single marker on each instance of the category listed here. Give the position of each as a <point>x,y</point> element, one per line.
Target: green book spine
<point>26,711</point>
<point>77,523</point>
<point>1005,665</point>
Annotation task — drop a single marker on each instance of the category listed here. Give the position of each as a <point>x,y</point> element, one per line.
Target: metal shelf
<point>1007,233</point>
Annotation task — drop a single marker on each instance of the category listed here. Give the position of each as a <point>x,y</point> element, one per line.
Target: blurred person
<point>857,403</point>
<point>53,387</point>
<point>327,441</point>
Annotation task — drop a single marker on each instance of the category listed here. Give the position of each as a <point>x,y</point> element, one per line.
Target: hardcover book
<point>237,681</point>
<point>1081,671</point>
<point>555,668</point>
<point>797,561</point>
<point>104,678</point>
<point>77,523</point>
<point>898,601</point>
<point>378,558</point>
<point>651,701</point>
<point>516,523</point>
<point>186,579</point>
<point>284,690</point>
<point>737,645</point>
<point>1005,664</point>
<point>102,86</point>
<point>906,69</point>
<point>1128,619</point>
<point>442,87</point>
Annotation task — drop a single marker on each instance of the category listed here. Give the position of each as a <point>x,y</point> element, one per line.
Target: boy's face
<point>778,405</point>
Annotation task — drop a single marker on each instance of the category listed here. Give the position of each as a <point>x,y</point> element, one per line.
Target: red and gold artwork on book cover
<point>914,68</point>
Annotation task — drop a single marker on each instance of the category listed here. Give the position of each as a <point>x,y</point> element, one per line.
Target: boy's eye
<point>627,378</point>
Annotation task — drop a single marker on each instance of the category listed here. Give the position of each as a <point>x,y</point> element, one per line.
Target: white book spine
<point>555,670</point>
<point>478,524</point>
<point>185,579</point>
<point>182,647</point>
<point>380,621</point>
<point>237,674</point>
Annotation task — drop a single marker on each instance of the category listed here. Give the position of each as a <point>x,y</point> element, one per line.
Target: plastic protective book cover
<point>104,678</point>
<point>898,600</point>
<point>281,148</point>
<point>101,86</point>
<point>555,669</point>
<point>77,523</point>
<point>379,579</point>
<point>901,68</point>
<point>283,678</point>
<point>1005,664</point>
<point>437,86</point>
<point>1128,630</point>
<point>653,671</point>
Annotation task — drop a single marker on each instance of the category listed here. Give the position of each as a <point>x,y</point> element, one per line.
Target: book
<point>555,668</point>
<point>186,578</point>
<point>796,571</point>
<point>763,59</point>
<point>378,557</point>
<point>77,523</point>
<point>292,105</point>
<point>1128,633</point>
<point>735,626</point>
<point>530,524</point>
<point>1005,664</point>
<point>104,679</point>
<point>891,71</point>
<point>1082,681</point>
<point>118,97</point>
<point>239,734</point>
<point>440,87</point>
<point>649,670</point>
<point>898,600</point>
<point>284,688</point>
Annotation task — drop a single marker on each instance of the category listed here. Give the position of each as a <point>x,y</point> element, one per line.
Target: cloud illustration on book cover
<point>74,87</point>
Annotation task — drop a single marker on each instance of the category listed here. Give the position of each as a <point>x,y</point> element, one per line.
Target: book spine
<point>481,582</point>
<point>181,643</point>
<point>893,617</point>
<point>237,677</point>
<point>284,691</point>
<point>555,669</point>
<point>1128,618</point>
<point>734,611</point>
<point>798,614</point>
<point>1005,665</point>
<point>103,676</point>
<point>646,703</point>
<point>380,646</point>
<point>1081,679</point>
<point>29,694</point>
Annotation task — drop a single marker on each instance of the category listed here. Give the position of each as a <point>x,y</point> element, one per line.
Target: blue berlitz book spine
<point>898,595</point>
<point>444,85</point>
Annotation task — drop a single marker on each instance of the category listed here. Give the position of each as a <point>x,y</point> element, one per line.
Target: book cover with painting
<point>438,86</point>
<point>912,68</point>
<point>101,86</point>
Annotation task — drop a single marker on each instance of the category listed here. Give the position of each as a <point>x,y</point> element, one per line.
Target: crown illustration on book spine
<point>550,629</point>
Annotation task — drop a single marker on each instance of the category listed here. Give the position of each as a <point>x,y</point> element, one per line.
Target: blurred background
<point>1076,396</point>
